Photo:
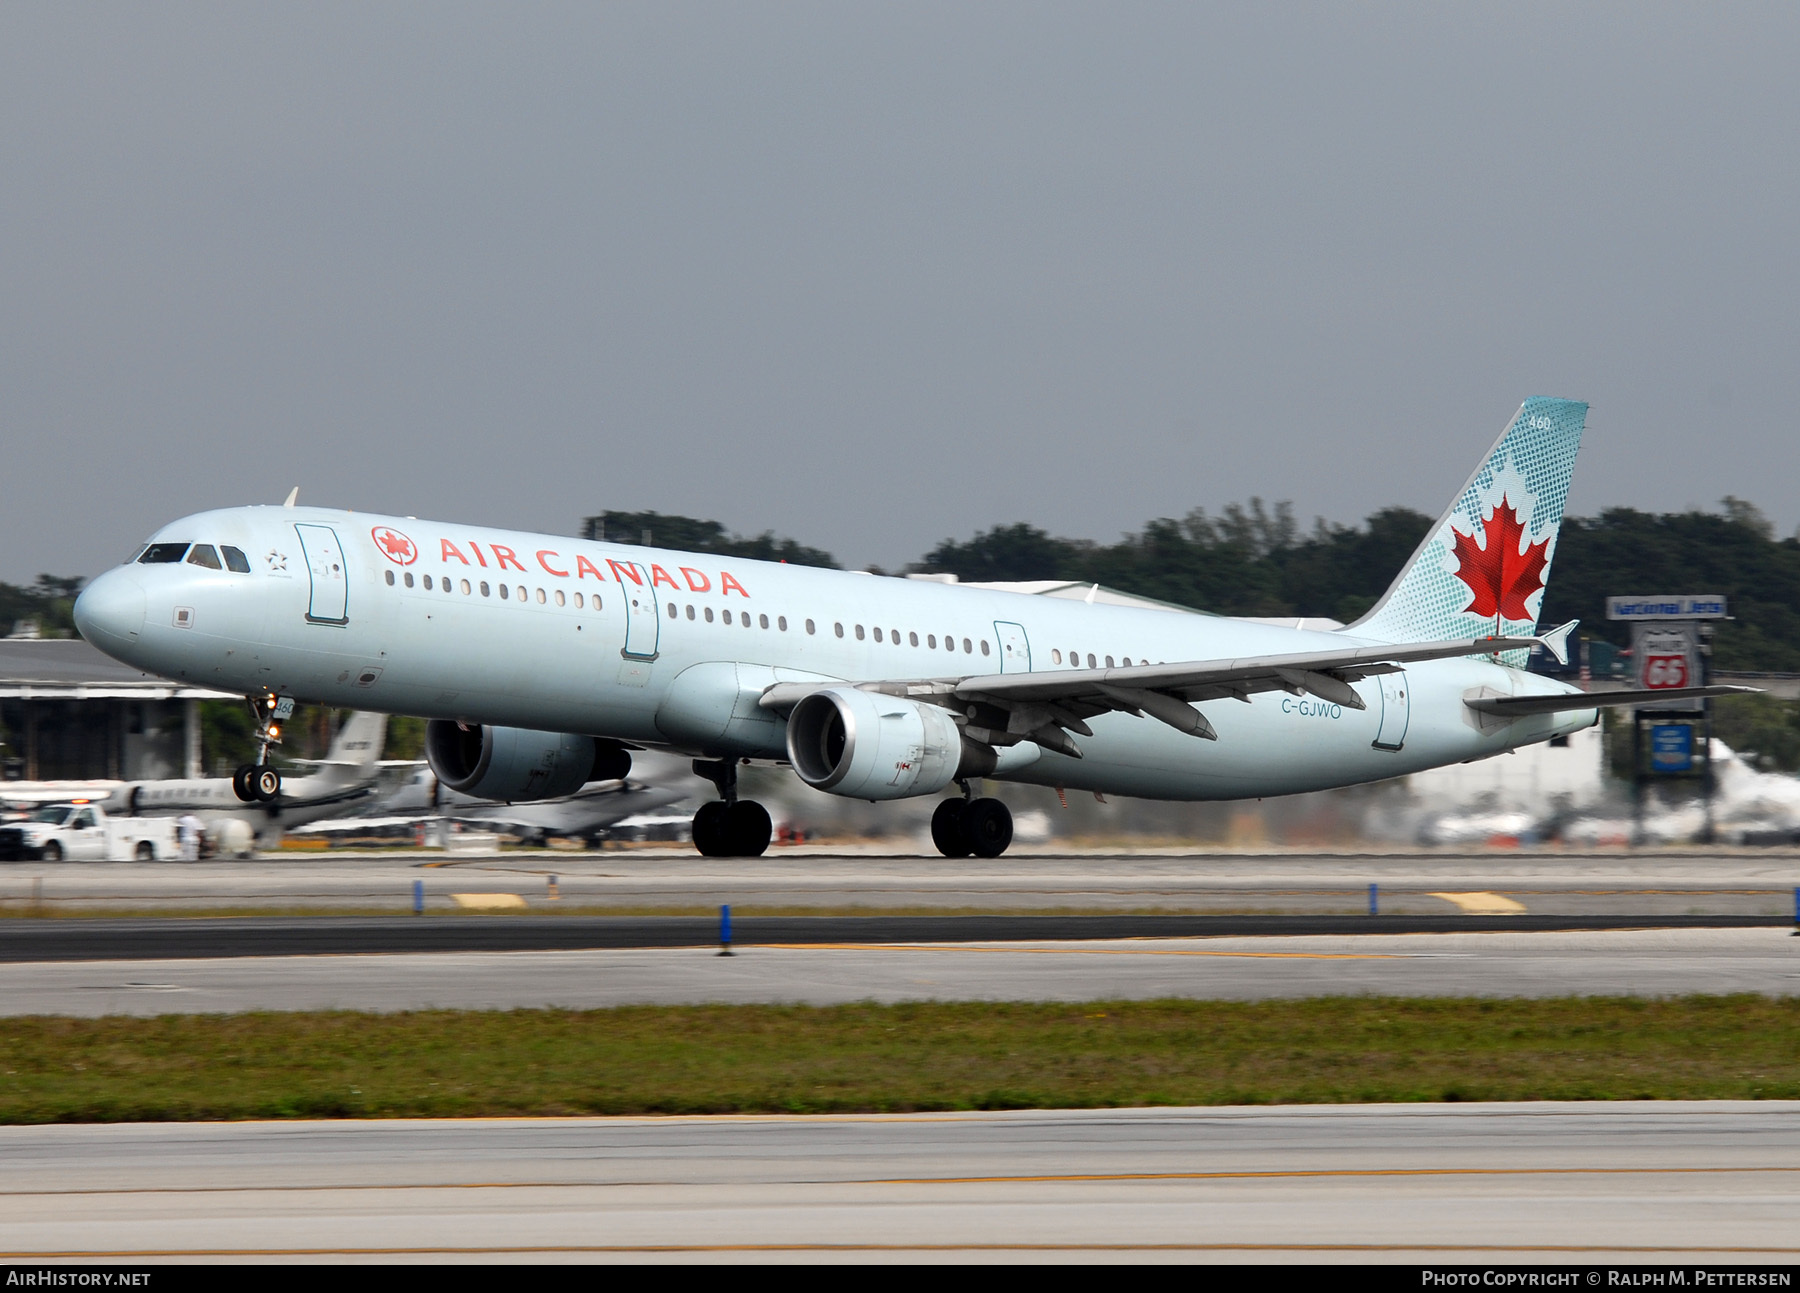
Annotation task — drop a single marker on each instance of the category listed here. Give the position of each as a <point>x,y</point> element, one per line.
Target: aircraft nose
<point>110,611</point>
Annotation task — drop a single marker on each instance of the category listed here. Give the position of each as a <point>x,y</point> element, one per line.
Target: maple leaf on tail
<point>1499,576</point>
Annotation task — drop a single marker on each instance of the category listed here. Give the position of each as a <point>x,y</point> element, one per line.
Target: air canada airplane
<point>541,662</point>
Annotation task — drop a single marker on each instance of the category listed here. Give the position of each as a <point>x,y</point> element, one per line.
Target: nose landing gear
<point>729,827</point>
<point>259,782</point>
<point>960,827</point>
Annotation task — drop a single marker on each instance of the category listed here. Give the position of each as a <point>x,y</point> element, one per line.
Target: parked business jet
<point>656,781</point>
<point>344,777</point>
<point>541,662</point>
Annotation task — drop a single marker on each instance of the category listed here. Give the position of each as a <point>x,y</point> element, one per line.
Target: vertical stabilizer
<point>358,742</point>
<point>1484,565</point>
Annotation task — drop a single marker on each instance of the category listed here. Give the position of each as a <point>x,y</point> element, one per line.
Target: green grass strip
<point>874,1058</point>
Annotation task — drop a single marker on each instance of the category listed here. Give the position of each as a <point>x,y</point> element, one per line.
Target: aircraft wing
<point>1043,706</point>
<point>1515,706</point>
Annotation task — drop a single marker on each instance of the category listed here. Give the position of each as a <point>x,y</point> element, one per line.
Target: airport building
<point>70,713</point>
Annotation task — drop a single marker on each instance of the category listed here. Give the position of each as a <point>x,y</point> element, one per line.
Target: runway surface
<point>1539,882</point>
<point>1626,963</point>
<point>1546,1183</point>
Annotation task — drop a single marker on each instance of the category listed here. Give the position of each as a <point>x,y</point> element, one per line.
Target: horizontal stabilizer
<point>1519,706</point>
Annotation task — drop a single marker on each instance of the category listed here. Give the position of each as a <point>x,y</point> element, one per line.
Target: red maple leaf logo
<point>1499,575</point>
<point>398,548</point>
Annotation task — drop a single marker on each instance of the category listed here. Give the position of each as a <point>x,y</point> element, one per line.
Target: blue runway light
<point>1374,902</point>
<point>418,897</point>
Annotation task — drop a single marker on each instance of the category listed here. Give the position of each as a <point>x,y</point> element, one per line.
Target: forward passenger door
<point>325,566</point>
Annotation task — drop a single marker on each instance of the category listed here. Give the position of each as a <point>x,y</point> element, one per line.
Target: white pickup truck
<point>84,833</point>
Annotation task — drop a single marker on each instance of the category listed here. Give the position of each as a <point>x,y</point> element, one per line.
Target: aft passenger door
<point>1015,648</point>
<point>1396,711</point>
<point>325,564</point>
<point>642,626</point>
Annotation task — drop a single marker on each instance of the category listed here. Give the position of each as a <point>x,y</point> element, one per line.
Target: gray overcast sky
<point>873,275</point>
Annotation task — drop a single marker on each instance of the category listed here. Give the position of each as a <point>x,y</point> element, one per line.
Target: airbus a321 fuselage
<point>542,661</point>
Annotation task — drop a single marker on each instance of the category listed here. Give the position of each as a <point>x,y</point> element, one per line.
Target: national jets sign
<point>1693,606</point>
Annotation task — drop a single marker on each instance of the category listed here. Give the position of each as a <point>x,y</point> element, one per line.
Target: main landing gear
<point>259,783</point>
<point>729,827</point>
<point>960,827</point>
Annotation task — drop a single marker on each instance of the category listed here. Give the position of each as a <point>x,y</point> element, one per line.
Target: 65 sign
<point>1665,671</point>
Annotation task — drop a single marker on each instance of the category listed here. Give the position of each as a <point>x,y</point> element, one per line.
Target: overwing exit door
<point>642,627</point>
<point>325,566</point>
<point>1396,711</point>
<point>1015,647</point>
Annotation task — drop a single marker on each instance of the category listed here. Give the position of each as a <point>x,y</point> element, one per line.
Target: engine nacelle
<point>515,763</point>
<point>865,745</point>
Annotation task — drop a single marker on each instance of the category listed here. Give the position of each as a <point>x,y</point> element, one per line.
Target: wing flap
<point>1519,706</point>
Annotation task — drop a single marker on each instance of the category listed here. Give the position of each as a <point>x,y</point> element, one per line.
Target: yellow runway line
<point>118,1254</point>
<point>1482,904</point>
<point>1073,1178</point>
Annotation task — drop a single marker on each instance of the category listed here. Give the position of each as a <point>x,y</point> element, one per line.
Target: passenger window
<point>949,644</point>
<point>541,598</point>
<point>1109,663</point>
<point>503,592</point>
<point>763,620</point>
<point>427,583</point>
<point>409,579</point>
<point>690,612</point>
<point>877,633</point>
<point>1126,662</point>
<point>163,554</point>
<point>839,628</point>
<point>810,628</point>
<point>674,610</point>
<point>596,601</point>
<point>235,560</point>
<point>894,636</point>
<point>912,639</point>
<point>1055,655</point>
<point>726,616</point>
<point>859,633</point>
<point>203,555</point>
<point>781,623</point>
<point>707,612</point>
<point>967,649</point>
<point>390,577</point>
<point>578,602</point>
<point>1091,663</point>
<point>984,646</point>
<point>523,593</point>
<point>560,599</point>
<point>744,619</point>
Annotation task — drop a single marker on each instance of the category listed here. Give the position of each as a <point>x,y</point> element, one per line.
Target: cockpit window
<point>203,555</point>
<point>235,559</point>
<point>132,559</point>
<point>163,554</point>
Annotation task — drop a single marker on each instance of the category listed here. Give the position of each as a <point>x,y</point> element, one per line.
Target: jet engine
<point>864,745</point>
<point>514,763</point>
